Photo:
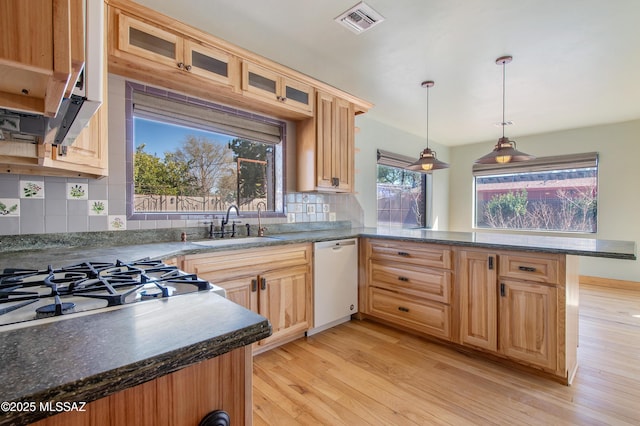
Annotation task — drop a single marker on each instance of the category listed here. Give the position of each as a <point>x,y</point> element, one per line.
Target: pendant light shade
<point>505,150</point>
<point>428,160</point>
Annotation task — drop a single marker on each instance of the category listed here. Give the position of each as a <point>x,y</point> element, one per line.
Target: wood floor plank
<point>365,373</point>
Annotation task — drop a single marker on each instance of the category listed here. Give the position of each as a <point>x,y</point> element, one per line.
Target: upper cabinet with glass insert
<point>183,54</point>
<point>161,51</point>
<point>268,85</point>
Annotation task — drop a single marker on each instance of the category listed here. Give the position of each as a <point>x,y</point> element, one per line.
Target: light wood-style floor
<point>363,373</point>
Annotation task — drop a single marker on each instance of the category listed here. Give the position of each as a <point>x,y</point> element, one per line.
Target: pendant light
<point>428,160</point>
<point>505,150</point>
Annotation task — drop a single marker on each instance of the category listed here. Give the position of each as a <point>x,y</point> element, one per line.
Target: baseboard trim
<point>609,283</point>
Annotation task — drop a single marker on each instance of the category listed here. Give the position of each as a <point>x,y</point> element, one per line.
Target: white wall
<point>373,135</point>
<point>618,185</point>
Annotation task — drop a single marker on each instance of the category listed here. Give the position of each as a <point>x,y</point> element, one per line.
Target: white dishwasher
<point>335,283</point>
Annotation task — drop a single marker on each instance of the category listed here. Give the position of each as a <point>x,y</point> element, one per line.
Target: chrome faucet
<point>225,220</point>
<point>260,228</point>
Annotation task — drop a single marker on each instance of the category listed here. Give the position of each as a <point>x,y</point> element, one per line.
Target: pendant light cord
<point>503,96</point>
<point>427,117</point>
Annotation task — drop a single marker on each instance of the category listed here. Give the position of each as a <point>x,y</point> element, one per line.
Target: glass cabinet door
<point>149,42</point>
<point>209,62</point>
<point>260,81</point>
<point>273,86</point>
<point>298,94</point>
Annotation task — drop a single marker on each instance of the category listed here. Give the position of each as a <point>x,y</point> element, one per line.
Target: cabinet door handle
<point>490,262</point>
<point>527,268</point>
<point>335,181</point>
<point>254,285</point>
<point>403,253</point>
<point>403,309</point>
<point>188,68</point>
<point>263,283</point>
<point>180,65</point>
<point>405,279</point>
<point>503,291</point>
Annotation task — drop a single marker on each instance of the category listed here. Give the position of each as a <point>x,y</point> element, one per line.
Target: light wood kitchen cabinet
<point>326,146</point>
<point>528,318</point>
<point>184,397</point>
<point>86,157</point>
<point>477,278</point>
<point>271,86</point>
<point>36,53</point>
<point>400,289</point>
<point>179,54</point>
<point>514,305</point>
<point>274,282</point>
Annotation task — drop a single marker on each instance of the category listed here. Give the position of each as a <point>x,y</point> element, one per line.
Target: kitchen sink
<point>233,241</point>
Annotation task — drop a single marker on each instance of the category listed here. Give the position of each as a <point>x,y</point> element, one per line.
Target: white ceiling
<point>576,63</point>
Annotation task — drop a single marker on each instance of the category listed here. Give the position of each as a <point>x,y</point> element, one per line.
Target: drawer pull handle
<point>405,279</point>
<point>263,283</point>
<point>403,309</point>
<point>403,253</point>
<point>527,268</point>
<point>254,285</point>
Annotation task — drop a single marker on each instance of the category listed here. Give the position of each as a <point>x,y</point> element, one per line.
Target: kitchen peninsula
<point>500,282</point>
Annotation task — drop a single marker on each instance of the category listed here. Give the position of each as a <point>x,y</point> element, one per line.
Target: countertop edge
<point>109,382</point>
<point>503,246</point>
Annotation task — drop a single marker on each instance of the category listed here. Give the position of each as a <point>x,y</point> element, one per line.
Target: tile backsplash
<point>39,205</point>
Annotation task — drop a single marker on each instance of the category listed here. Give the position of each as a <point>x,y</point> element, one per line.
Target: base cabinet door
<point>528,318</point>
<point>478,299</point>
<point>283,299</point>
<point>242,290</point>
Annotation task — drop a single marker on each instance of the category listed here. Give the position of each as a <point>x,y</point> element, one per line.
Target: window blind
<point>186,114</point>
<point>557,162</point>
<point>391,159</point>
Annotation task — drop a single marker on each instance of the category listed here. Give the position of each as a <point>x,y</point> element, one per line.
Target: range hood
<point>76,110</point>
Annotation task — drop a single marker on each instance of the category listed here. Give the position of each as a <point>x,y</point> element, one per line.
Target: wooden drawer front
<point>433,284</point>
<point>422,315</point>
<point>235,263</point>
<point>539,269</point>
<point>415,253</point>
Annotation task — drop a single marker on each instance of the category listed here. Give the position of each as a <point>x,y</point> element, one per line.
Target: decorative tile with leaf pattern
<point>9,207</point>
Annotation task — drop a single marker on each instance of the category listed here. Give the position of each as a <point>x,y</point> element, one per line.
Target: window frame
<point>280,163</point>
<point>391,159</point>
<point>538,165</point>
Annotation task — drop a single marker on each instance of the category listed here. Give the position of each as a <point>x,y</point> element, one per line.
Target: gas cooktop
<point>31,294</point>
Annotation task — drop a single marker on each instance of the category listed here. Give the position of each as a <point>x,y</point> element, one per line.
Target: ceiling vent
<point>359,18</point>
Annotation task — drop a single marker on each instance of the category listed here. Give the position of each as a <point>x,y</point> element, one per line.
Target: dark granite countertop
<point>533,243</point>
<point>87,356</point>
<point>612,249</point>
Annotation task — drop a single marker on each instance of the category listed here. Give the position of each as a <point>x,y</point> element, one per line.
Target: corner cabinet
<point>274,282</point>
<point>326,146</point>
